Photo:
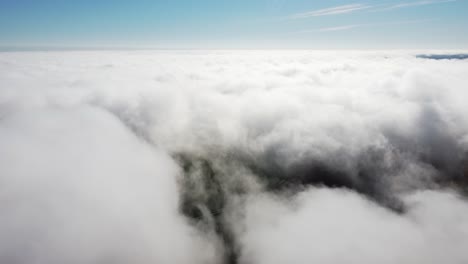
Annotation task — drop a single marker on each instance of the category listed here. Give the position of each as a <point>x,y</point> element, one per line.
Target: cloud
<point>232,157</point>
<point>347,27</point>
<point>412,4</point>
<point>353,8</point>
<point>324,226</point>
<point>327,29</point>
<point>338,28</point>
<point>343,9</point>
<point>80,188</point>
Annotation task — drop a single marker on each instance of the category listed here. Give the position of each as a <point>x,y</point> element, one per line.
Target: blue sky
<point>235,24</point>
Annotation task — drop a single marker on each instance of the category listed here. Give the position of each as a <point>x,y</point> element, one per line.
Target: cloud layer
<point>232,157</point>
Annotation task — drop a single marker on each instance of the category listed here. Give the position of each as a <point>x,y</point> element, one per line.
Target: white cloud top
<point>89,174</point>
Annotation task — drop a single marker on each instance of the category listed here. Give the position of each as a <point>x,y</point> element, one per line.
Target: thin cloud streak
<point>352,8</point>
<point>340,28</point>
<point>413,4</point>
<point>327,29</point>
<point>344,9</point>
<point>352,26</point>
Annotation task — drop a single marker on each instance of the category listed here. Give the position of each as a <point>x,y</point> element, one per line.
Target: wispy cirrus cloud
<point>353,26</point>
<point>327,29</point>
<point>339,28</point>
<point>343,9</point>
<point>356,7</point>
<point>412,4</point>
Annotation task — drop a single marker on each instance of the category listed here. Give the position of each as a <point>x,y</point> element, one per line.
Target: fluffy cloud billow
<point>233,157</point>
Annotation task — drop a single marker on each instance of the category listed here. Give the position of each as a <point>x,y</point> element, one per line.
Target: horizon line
<point>45,48</point>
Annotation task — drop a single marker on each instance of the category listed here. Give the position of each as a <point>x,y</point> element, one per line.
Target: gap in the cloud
<point>461,56</point>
